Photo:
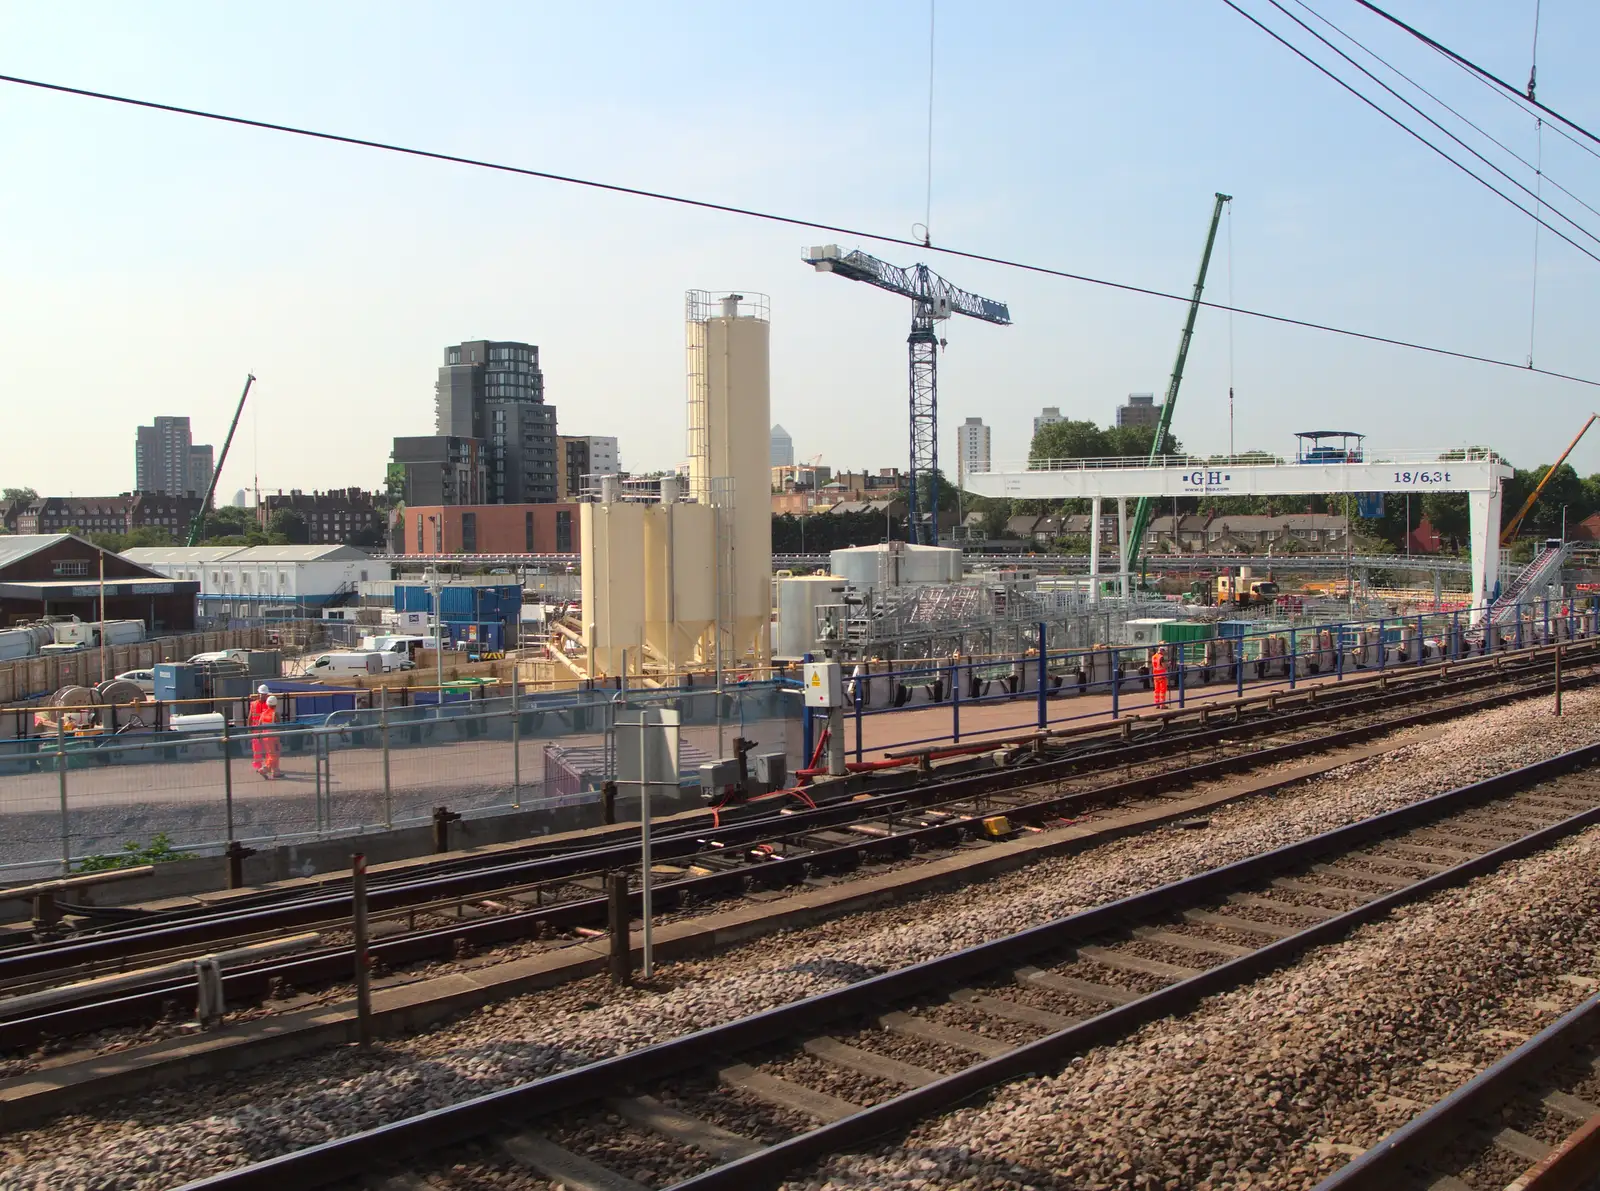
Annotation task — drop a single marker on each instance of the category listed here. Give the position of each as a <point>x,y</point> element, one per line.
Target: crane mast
<point>933,299</point>
<point>199,521</point>
<point>1141,512</point>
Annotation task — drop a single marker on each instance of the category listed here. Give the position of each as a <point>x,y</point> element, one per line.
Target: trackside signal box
<point>822,683</point>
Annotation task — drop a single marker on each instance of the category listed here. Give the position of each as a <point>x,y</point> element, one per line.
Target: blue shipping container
<point>178,680</point>
<point>476,635</point>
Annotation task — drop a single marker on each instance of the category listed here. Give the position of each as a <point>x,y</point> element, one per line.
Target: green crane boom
<point>199,521</point>
<point>1141,512</point>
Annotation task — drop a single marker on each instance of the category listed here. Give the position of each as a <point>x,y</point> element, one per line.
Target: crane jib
<point>933,298</point>
<point>1141,512</point>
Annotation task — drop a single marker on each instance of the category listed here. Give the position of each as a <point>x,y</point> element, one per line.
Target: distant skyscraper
<point>782,448</point>
<point>200,469</point>
<point>1048,416</point>
<point>494,392</point>
<point>165,459</point>
<point>238,499</point>
<point>1141,410</point>
<point>972,448</point>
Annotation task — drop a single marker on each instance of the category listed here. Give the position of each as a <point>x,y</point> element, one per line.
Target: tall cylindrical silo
<point>730,405</point>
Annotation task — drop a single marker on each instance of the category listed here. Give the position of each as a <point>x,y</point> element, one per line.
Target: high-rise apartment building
<point>972,448</point>
<point>166,459</point>
<point>782,448</point>
<point>200,465</point>
<point>604,459</point>
<point>580,455</point>
<point>441,469</point>
<point>1141,410</point>
<point>493,391</point>
<point>1048,416</point>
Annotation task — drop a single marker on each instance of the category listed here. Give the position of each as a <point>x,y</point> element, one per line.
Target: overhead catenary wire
<point>1538,134</point>
<point>786,220</point>
<point>1230,335</point>
<point>1401,124</point>
<point>927,216</point>
<point>1459,115</point>
<point>1473,67</point>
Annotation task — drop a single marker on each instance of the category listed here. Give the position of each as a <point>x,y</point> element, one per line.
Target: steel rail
<point>404,889</point>
<point>1101,748</point>
<point>251,984</point>
<point>1384,1166</point>
<point>358,1154</point>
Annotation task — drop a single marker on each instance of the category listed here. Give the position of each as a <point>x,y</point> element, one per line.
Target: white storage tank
<point>896,564</point>
<point>798,601</point>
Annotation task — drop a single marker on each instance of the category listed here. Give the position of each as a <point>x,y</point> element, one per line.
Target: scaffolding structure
<point>979,618</point>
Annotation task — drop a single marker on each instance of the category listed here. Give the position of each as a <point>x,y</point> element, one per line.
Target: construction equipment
<point>1141,512</point>
<point>1244,588</point>
<point>198,524</point>
<point>933,299</point>
<point>1509,533</point>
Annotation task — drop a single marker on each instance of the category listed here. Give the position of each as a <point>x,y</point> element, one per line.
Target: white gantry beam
<point>1391,473</point>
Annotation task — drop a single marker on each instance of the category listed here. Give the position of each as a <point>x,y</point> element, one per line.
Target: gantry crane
<point>1141,512</point>
<point>933,299</point>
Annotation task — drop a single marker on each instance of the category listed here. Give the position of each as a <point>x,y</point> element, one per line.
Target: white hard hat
<point>272,700</point>
<point>262,689</point>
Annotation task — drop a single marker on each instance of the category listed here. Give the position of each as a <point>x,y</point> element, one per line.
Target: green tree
<point>1565,490</point>
<point>18,496</point>
<point>291,524</point>
<point>1447,513</point>
<point>229,522</point>
<point>1069,439</point>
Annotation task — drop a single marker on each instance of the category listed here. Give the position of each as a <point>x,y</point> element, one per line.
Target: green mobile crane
<point>198,524</point>
<point>1141,512</point>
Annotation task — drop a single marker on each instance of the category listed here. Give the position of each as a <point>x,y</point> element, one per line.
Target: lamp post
<point>430,576</point>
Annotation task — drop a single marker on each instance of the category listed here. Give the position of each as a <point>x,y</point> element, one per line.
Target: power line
<point>786,220</point>
<point>1476,69</point>
<point>1538,199</point>
<point>1467,120</point>
<point>1396,121</point>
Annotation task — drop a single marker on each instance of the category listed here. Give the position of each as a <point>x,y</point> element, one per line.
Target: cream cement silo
<point>679,589</point>
<point>613,581</point>
<point>730,407</point>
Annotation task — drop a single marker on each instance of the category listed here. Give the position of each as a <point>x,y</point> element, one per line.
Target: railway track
<point>557,897</point>
<point>1529,1122</point>
<point>747,1103</point>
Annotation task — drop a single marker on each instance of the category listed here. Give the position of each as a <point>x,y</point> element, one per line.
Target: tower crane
<point>933,299</point>
<point>1141,512</point>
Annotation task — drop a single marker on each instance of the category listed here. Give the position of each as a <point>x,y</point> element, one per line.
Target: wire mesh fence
<point>68,799</point>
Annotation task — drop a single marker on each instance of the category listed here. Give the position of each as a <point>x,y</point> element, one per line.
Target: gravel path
<point>165,1137</point>
<point>1274,1085</point>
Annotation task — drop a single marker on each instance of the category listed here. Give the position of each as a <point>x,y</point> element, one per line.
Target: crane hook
<point>921,229</point>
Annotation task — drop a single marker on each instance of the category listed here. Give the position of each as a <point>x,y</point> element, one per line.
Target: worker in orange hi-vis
<point>1158,673</point>
<point>258,739</point>
<point>267,740</point>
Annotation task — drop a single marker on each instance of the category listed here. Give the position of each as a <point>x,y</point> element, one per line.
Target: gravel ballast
<point>1277,1083</point>
<point>169,1136</point>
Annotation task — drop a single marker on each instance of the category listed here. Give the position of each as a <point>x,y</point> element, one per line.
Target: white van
<point>353,662</point>
<point>405,645</point>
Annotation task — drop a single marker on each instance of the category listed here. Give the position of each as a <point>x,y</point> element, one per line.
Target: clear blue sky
<point>150,260</point>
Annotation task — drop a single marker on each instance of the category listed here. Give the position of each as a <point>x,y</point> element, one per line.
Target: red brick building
<point>488,529</point>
